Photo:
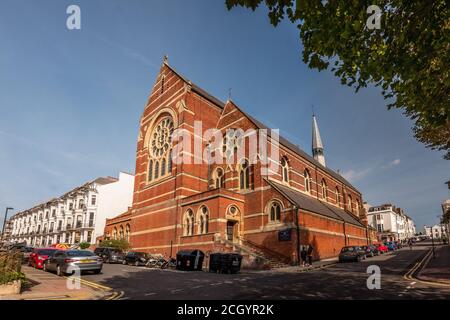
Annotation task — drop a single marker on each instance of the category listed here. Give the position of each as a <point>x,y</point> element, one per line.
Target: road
<point>339,281</point>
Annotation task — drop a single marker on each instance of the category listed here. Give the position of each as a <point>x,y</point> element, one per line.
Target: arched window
<point>307,177</point>
<point>338,197</point>
<point>188,223</point>
<point>156,170</point>
<point>150,170</point>
<point>284,169</point>
<point>163,167</point>
<point>121,233</point>
<point>244,175</point>
<point>324,190</point>
<point>169,163</point>
<point>127,232</point>
<point>219,178</point>
<point>203,220</point>
<point>160,148</point>
<point>114,235</point>
<point>349,203</point>
<point>275,212</point>
<point>357,207</point>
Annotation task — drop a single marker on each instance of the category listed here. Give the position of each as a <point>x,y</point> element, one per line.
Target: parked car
<point>26,251</point>
<point>391,246</point>
<point>67,262</point>
<point>352,253</point>
<point>371,250</point>
<point>381,248</point>
<point>136,258</point>
<point>110,255</point>
<point>39,255</point>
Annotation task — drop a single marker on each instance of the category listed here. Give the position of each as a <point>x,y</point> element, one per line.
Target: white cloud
<point>391,164</point>
<point>355,175</point>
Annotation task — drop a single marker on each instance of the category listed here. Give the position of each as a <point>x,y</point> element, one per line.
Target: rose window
<point>161,138</point>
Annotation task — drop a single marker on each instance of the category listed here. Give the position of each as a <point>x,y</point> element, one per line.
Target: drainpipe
<point>297,224</point>
<point>345,235</point>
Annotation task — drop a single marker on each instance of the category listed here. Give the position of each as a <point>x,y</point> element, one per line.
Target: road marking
<point>409,275</point>
<point>150,293</point>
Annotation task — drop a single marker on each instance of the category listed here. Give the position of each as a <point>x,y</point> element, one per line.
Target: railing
<point>266,251</point>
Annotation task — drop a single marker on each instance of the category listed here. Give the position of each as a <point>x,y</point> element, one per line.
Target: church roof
<point>312,204</point>
<point>283,141</point>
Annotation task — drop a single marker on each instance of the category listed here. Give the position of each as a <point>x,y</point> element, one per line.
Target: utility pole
<point>4,221</point>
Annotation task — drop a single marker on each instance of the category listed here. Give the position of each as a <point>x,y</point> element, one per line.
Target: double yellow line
<point>114,296</point>
<point>410,274</point>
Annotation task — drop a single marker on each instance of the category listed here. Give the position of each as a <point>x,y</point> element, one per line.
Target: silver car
<point>69,261</point>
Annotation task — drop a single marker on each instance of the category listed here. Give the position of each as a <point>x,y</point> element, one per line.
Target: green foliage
<point>10,276</point>
<point>407,57</point>
<point>84,245</point>
<point>116,243</point>
<point>10,266</point>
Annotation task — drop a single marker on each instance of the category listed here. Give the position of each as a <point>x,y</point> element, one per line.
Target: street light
<point>4,221</point>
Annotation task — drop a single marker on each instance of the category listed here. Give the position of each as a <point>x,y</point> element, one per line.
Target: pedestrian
<point>303,255</point>
<point>410,242</point>
<point>310,254</point>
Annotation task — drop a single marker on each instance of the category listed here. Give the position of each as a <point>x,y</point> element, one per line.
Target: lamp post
<point>432,241</point>
<point>4,221</point>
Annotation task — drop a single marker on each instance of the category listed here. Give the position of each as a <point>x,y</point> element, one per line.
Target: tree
<point>407,57</point>
<point>116,243</point>
<point>84,245</point>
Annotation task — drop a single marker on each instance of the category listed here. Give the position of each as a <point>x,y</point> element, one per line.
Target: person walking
<point>303,255</point>
<point>310,254</point>
<point>410,242</point>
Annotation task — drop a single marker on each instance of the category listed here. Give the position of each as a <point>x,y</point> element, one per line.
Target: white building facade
<point>391,223</point>
<point>77,216</point>
<point>435,231</point>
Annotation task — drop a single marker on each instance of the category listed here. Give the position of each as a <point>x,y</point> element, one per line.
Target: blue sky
<point>70,101</point>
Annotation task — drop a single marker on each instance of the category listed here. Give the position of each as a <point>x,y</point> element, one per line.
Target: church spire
<point>317,146</point>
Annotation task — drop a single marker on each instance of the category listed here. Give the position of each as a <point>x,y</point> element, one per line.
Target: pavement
<point>437,268</point>
<point>48,286</point>
<point>397,276</point>
<point>325,280</point>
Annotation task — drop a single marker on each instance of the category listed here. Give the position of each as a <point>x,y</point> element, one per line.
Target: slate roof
<point>311,204</point>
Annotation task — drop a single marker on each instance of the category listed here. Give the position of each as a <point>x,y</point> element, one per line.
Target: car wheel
<point>136,263</point>
<point>97,271</point>
<point>358,259</point>
<point>124,262</point>
<point>58,271</point>
<point>44,267</point>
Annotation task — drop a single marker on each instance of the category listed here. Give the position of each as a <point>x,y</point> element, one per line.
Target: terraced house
<point>246,205</point>
<point>77,216</point>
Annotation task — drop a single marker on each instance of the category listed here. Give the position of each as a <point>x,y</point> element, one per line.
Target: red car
<point>381,247</point>
<point>39,255</point>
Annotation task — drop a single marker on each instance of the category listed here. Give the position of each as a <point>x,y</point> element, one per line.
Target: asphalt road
<point>339,281</point>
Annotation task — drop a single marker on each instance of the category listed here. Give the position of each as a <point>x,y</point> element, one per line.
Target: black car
<point>110,255</point>
<point>370,250</point>
<point>352,253</point>
<point>136,258</point>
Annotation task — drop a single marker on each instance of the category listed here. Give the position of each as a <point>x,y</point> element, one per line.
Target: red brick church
<point>243,206</point>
